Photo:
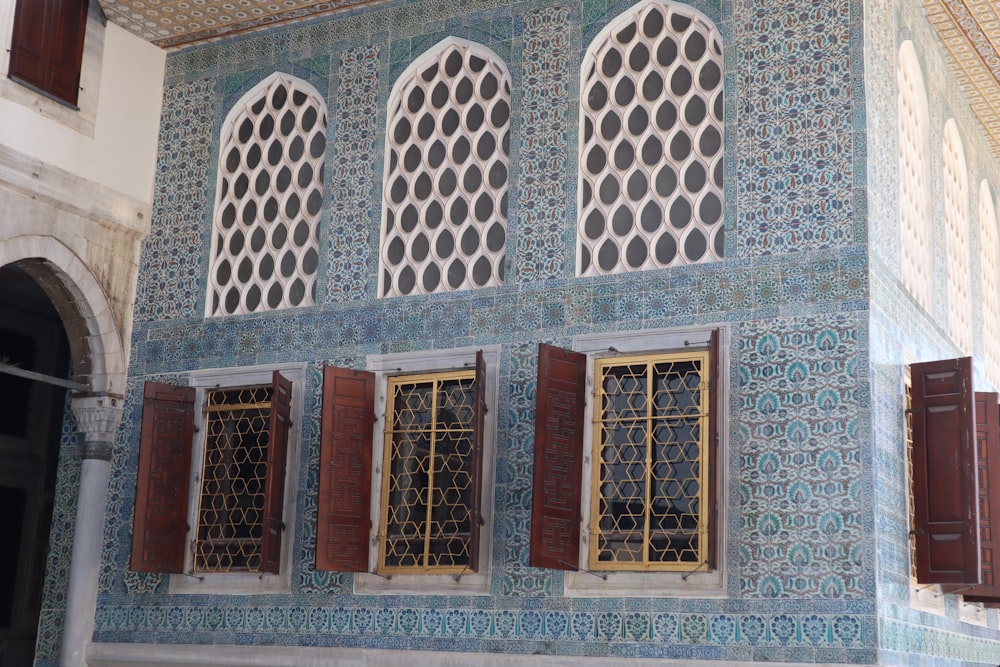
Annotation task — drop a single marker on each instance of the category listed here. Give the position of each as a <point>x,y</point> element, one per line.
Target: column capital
<point>97,418</point>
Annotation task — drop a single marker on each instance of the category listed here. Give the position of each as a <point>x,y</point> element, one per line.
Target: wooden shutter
<point>715,386</point>
<point>159,526</point>
<point>478,422</point>
<point>46,50</point>
<point>988,459</point>
<point>945,489</point>
<point>274,486</point>
<point>343,523</point>
<point>556,493</point>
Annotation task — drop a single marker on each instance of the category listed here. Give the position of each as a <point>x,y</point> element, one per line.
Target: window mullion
<point>430,472</point>
<point>647,510</point>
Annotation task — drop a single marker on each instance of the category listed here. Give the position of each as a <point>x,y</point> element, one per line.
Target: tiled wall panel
<point>793,291</point>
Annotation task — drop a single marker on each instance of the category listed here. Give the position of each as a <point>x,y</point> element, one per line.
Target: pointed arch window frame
<point>496,256</point>
<point>216,289</point>
<point>916,262</point>
<point>714,250</point>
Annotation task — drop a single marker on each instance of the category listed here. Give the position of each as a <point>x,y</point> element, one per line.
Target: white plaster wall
<point>112,139</point>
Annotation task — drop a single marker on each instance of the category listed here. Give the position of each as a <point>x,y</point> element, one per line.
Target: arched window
<point>650,192</point>
<point>989,266</point>
<point>956,220</point>
<point>269,199</point>
<point>914,178</point>
<point>444,214</point>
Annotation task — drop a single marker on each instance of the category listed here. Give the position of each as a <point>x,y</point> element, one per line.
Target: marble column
<point>97,418</point>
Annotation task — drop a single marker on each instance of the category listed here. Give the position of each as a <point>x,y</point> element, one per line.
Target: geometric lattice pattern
<point>956,220</point>
<point>914,178</point>
<point>234,472</point>
<point>649,502</point>
<point>651,142</point>
<point>445,200</point>
<point>427,489</point>
<point>270,196</point>
<point>989,267</point>
<point>827,608</point>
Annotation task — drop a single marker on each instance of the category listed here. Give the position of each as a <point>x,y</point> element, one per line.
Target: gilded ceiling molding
<point>174,23</point>
<point>969,30</point>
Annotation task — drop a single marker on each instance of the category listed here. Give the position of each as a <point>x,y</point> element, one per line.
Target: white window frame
<point>242,583</point>
<point>228,141</point>
<point>384,366</point>
<point>708,584</point>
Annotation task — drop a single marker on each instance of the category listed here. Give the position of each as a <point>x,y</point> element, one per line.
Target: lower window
<point>629,470</point>
<point>234,472</point>
<point>428,463</point>
<point>212,504</point>
<point>406,470</point>
<point>648,488</point>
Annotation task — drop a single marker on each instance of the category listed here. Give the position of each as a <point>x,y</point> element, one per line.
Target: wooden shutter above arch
<point>556,489</point>
<point>343,520</point>
<point>274,487</point>
<point>46,50</point>
<point>945,488</point>
<point>159,526</point>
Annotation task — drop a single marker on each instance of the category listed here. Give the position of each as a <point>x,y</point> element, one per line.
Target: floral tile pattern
<point>812,380</point>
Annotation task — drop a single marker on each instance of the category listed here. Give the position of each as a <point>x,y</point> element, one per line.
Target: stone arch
<point>95,342</point>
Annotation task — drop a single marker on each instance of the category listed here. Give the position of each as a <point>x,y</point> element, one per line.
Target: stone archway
<point>96,345</point>
<point>98,358</point>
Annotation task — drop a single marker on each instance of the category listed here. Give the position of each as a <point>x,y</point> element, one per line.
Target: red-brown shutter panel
<point>46,49</point>
<point>988,458</point>
<point>714,385</point>
<point>159,527</point>
<point>556,493</point>
<point>476,463</point>
<point>945,489</point>
<point>274,486</point>
<point>345,470</point>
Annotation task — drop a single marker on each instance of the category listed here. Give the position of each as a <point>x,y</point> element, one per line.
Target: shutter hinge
<point>918,532</point>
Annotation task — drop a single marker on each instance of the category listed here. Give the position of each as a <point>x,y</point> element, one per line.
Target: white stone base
<point>153,655</point>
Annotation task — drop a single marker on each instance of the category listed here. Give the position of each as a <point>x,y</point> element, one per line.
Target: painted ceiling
<point>970,33</point>
<point>172,23</point>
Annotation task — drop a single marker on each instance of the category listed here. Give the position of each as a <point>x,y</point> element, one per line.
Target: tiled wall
<point>50,624</point>
<point>793,290</point>
<point>902,333</point>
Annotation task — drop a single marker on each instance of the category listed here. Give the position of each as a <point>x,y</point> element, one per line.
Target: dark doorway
<point>32,338</point>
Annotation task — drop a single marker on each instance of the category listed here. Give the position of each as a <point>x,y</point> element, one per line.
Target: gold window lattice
<point>234,472</point>
<point>649,494</point>
<point>427,485</point>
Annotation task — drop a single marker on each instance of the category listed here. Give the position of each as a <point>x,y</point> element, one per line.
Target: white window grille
<point>956,219</point>
<point>989,248</point>
<point>650,192</point>
<point>444,216</point>
<point>914,178</point>
<point>269,199</point>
